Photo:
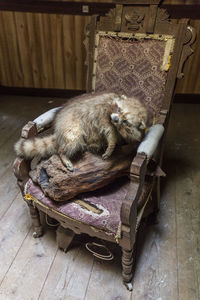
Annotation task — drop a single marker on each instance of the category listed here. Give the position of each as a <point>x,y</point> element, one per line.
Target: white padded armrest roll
<point>151,140</point>
<point>46,118</point>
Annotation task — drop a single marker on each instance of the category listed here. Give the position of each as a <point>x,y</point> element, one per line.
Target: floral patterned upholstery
<point>131,67</point>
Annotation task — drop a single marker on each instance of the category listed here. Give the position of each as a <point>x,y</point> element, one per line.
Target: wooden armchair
<point>138,51</point>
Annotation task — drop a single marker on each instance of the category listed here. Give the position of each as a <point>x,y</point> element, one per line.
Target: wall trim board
<point>61,93</point>
<point>187,98</point>
<point>190,11</point>
<point>54,7</point>
<point>39,92</point>
<point>88,8</point>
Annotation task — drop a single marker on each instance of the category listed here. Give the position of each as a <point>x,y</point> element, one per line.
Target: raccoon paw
<point>67,163</point>
<point>70,166</point>
<point>105,156</point>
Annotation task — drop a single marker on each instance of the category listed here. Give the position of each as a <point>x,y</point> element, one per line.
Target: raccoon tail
<point>43,147</point>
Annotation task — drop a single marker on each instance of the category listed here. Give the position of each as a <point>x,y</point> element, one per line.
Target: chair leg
<point>152,219</point>
<point>64,237</point>
<point>38,230</point>
<point>127,267</point>
<point>156,194</point>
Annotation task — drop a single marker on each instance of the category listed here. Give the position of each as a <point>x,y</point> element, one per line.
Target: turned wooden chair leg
<point>38,230</point>
<point>127,267</point>
<point>64,237</point>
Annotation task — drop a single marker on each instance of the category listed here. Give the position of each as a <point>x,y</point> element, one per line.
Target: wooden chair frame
<point>156,21</point>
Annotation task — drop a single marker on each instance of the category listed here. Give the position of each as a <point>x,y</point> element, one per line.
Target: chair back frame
<point>143,19</point>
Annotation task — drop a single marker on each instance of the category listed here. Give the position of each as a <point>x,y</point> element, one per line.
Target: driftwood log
<point>90,173</point>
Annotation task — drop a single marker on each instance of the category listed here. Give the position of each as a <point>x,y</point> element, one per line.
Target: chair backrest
<point>138,51</point>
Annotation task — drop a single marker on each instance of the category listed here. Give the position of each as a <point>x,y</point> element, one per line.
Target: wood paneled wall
<point>42,50</point>
<point>46,51</point>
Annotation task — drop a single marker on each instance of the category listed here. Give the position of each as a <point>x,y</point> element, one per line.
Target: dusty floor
<point>168,262</point>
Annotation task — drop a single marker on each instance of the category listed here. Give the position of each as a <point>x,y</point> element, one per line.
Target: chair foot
<point>38,232</point>
<point>64,238</point>
<point>129,286</point>
<point>38,229</point>
<point>127,266</point>
<point>152,218</point>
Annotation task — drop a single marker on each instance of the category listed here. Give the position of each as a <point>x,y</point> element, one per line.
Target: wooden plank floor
<point>168,259</point>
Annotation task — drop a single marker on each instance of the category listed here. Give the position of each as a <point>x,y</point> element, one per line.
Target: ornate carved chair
<point>138,51</point>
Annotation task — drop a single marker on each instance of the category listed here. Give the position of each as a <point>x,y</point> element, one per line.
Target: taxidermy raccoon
<point>93,122</point>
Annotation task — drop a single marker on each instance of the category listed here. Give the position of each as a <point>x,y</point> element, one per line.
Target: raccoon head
<point>130,120</point>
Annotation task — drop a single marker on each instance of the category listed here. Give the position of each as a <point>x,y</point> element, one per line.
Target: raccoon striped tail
<point>43,147</point>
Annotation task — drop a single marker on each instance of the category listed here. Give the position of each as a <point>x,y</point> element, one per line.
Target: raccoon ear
<point>142,125</point>
<point>123,97</point>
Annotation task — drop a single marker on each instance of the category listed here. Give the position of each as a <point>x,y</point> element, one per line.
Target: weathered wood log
<point>90,173</point>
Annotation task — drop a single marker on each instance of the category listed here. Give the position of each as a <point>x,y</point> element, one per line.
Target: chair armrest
<point>138,170</point>
<point>21,165</point>
<point>45,119</point>
<point>21,168</point>
<point>32,128</point>
<point>151,140</point>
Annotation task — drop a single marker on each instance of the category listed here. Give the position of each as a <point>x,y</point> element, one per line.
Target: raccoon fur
<point>91,122</point>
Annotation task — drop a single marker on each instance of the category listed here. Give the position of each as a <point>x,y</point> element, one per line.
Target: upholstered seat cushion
<point>100,208</point>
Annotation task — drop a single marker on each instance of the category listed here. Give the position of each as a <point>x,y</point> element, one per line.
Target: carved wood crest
<point>112,20</point>
<point>109,17</point>
<point>190,37</point>
<point>162,16</point>
<point>134,20</point>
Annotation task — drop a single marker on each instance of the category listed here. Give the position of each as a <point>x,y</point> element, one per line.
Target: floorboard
<point>168,255</point>
<point>104,284</point>
<point>13,233</point>
<point>69,275</point>
<point>187,174</point>
<point>27,273</point>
